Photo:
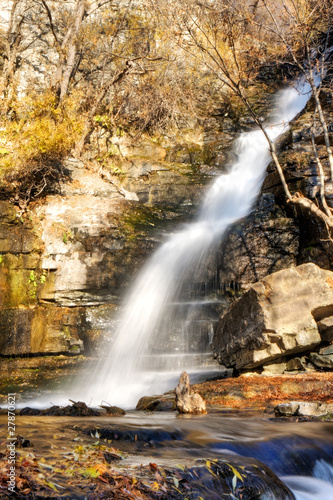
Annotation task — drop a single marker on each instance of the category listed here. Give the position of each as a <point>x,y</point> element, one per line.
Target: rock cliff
<point>66,262</point>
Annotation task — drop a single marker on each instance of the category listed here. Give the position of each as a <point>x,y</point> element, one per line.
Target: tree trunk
<point>68,49</point>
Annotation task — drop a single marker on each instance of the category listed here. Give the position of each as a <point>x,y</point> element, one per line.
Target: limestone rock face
<point>278,316</point>
<point>65,263</point>
<point>186,402</point>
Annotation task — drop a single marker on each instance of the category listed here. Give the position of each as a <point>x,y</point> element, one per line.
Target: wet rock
<point>21,442</point>
<point>156,403</point>
<point>265,242</point>
<point>115,411</point>
<point>31,411</point>
<point>15,331</point>
<point>303,408</point>
<point>275,318</point>
<point>138,436</point>
<point>186,402</point>
<point>76,409</point>
<point>287,409</point>
<point>248,479</point>
<point>41,329</point>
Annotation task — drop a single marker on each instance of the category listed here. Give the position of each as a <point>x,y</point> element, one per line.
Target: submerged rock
<point>186,402</point>
<point>277,317</point>
<point>244,478</point>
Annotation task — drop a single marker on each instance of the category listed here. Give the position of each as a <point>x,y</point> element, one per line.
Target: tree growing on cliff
<point>233,39</point>
<point>309,45</point>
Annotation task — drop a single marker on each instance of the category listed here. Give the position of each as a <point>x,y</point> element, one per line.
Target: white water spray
<point>123,378</point>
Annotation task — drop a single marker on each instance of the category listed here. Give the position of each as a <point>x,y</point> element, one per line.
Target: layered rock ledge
<point>287,313</point>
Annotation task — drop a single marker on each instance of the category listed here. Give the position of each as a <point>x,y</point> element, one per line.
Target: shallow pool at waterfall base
<point>166,456</point>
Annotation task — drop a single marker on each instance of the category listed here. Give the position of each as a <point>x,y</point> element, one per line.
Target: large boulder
<point>278,316</point>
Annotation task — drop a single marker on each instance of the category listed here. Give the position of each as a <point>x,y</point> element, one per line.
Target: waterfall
<point>125,376</point>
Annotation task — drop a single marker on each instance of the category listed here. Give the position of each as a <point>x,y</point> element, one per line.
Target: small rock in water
<point>315,409</point>
<point>303,408</point>
<point>156,403</point>
<point>287,409</point>
<point>186,402</point>
<point>76,409</point>
<point>21,442</point>
<point>114,411</point>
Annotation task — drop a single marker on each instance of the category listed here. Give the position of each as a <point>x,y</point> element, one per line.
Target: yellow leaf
<point>51,485</point>
<point>236,473</point>
<point>101,468</point>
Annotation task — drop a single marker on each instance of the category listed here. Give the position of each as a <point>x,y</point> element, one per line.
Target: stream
<point>299,453</point>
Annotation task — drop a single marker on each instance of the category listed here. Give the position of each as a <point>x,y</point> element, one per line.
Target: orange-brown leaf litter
<point>260,390</point>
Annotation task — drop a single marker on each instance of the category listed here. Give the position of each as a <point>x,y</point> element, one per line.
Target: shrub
<point>35,143</point>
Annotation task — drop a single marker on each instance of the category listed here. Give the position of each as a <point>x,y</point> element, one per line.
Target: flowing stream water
<point>128,371</point>
<point>300,454</point>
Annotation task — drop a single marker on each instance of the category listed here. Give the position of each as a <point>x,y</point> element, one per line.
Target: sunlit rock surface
<point>303,408</point>
<point>277,316</point>
<point>186,402</point>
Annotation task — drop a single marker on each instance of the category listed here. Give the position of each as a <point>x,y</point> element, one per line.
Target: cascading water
<point>125,374</point>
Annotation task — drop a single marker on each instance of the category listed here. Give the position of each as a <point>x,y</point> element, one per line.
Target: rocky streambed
<point>224,454</point>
